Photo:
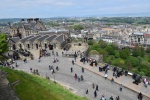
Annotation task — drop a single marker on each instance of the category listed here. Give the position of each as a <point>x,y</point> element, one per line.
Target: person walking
<point>71,69</point>
<point>49,67</point>
<point>103,97</point>
<point>72,62</point>
<point>31,70</point>
<point>57,68</point>
<point>111,98</point>
<point>81,77</point>
<point>16,64</point>
<point>118,98</point>
<point>112,80</point>
<point>53,71</point>
<point>140,96</point>
<point>82,70</point>
<point>78,79</point>
<point>93,85</point>
<point>120,87</point>
<point>97,88</point>
<point>95,94</point>
<point>39,59</point>
<point>75,76</point>
<point>87,91</point>
<point>105,76</point>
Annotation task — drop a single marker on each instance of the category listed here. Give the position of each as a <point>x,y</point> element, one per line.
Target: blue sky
<point>72,8</point>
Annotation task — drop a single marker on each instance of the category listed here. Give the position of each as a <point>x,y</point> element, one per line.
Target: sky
<point>73,8</point>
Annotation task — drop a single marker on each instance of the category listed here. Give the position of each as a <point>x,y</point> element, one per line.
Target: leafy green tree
<point>3,44</point>
<point>90,42</point>
<point>148,49</point>
<point>94,52</point>
<point>144,68</point>
<point>110,50</point>
<point>129,65</point>
<point>118,62</point>
<point>116,53</point>
<point>102,44</point>
<point>113,46</point>
<point>124,53</point>
<point>77,27</point>
<point>134,61</point>
<point>138,51</point>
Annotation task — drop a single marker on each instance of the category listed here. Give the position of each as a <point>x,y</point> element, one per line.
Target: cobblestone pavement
<point>66,78</point>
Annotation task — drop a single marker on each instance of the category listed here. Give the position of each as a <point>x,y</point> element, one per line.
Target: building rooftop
<point>138,33</point>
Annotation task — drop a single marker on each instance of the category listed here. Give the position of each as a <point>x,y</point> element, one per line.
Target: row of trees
<point>3,46</point>
<point>129,59</point>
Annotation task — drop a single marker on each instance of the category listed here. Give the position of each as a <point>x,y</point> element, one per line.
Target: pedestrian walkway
<point>126,81</point>
<point>64,76</point>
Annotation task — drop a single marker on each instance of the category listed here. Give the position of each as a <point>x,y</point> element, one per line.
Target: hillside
<point>30,87</point>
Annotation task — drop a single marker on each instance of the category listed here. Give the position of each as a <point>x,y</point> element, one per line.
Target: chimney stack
<point>36,20</point>
<point>30,20</point>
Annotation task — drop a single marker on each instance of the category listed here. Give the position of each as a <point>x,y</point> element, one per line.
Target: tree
<point>116,52</point>
<point>93,52</point>
<point>125,53</point>
<point>134,61</point>
<point>77,27</point>
<point>138,51</point>
<point>129,65</point>
<point>3,44</point>
<point>90,42</point>
<point>148,49</point>
<point>110,50</point>
<point>102,44</point>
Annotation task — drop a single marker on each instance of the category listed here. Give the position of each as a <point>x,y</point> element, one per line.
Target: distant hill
<point>6,20</point>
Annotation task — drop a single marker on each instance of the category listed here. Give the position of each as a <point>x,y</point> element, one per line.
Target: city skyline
<point>74,8</point>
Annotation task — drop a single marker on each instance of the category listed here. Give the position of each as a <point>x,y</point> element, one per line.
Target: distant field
<point>33,87</point>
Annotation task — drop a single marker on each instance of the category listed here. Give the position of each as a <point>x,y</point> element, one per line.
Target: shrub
<point>138,51</point>
<point>110,50</point>
<point>94,52</point>
<point>134,61</point>
<point>117,54</point>
<point>90,42</point>
<point>118,62</point>
<point>124,53</point>
<point>148,50</point>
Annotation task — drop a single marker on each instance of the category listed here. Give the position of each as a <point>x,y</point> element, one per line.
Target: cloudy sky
<point>72,8</point>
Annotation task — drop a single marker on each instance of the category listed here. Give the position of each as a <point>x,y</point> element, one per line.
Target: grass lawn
<point>33,87</point>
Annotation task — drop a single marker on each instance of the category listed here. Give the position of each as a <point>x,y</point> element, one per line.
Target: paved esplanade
<point>66,78</point>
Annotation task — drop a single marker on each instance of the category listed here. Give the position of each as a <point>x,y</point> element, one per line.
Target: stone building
<point>147,39</point>
<point>136,38</point>
<point>25,28</point>
<point>139,39</point>
<point>42,40</point>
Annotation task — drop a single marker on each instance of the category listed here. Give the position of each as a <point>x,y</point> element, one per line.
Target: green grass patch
<point>33,87</point>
